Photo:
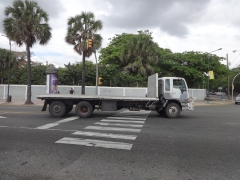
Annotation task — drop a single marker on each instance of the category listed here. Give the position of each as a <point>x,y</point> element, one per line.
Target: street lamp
<point>8,98</point>
<point>208,73</point>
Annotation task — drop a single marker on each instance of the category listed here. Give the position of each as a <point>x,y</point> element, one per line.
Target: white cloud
<point>184,25</point>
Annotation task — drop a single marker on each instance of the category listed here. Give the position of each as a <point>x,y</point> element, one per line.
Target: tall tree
<point>140,54</point>
<point>27,23</point>
<point>81,28</point>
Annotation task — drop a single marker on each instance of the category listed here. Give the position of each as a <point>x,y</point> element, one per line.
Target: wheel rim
<point>84,109</point>
<point>173,111</point>
<point>57,109</point>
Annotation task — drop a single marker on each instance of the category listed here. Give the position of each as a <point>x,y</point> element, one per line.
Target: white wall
<point>20,91</point>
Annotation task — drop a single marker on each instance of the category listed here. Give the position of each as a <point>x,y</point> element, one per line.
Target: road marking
<point>135,112</point>
<point>47,126</point>
<point>116,124</point>
<point>2,117</point>
<point>139,119</point>
<point>107,135</point>
<point>95,143</point>
<point>123,121</point>
<point>112,129</point>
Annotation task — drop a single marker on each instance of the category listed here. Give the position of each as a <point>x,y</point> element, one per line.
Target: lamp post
<point>8,98</point>
<point>208,72</point>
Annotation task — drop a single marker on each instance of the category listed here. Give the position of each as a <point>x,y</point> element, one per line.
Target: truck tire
<point>57,109</point>
<point>172,110</point>
<point>69,109</point>
<point>84,109</point>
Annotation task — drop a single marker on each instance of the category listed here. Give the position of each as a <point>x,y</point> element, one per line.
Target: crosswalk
<point>115,132</point>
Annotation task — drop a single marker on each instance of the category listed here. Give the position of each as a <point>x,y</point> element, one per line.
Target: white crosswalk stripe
<point>116,124</point>
<point>2,117</point>
<point>95,143</point>
<point>127,118</point>
<point>106,135</point>
<point>123,121</point>
<point>112,129</point>
<point>131,122</point>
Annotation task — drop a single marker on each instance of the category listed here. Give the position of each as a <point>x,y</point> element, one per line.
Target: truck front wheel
<point>84,109</point>
<point>172,110</point>
<point>57,109</point>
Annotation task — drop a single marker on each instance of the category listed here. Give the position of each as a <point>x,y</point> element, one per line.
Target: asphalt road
<point>201,144</point>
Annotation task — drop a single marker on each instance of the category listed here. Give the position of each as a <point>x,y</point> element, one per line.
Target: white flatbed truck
<point>167,96</point>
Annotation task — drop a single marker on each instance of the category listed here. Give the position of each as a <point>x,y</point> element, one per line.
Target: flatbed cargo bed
<point>95,97</point>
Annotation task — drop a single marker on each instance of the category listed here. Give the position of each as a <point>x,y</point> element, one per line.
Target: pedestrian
<point>71,91</point>
<point>58,92</point>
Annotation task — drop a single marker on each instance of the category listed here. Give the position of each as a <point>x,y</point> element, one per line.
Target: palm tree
<point>26,23</point>
<point>81,28</point>
<point>140,54</point>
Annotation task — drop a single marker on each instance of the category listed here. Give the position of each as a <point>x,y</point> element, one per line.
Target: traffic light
<point>90,43</point>
<point>99,81</point>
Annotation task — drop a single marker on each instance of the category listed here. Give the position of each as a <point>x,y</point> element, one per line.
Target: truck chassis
<point>60,104</point>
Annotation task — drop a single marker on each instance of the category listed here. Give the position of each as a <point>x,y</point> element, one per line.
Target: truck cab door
<point>178,88</point>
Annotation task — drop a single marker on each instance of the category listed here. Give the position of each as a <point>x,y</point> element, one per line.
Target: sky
<point>179,25</point>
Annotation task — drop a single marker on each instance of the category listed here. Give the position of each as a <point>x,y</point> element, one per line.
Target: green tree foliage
<point>69,75</point>
<point>128,59</point>
<point>135,53</point>
<point>193,66</point>
<point>5,55</point>
<point>139,54</point>
<point>27,23</point>
<point>81,28</point>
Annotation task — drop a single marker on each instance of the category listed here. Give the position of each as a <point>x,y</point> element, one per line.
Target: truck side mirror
<point>182,89</point>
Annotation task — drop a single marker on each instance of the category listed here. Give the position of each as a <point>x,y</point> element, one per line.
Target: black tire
<point>84,109</point>
<point>69,109</point>
<point>57,109</point>
<point>172,110</point>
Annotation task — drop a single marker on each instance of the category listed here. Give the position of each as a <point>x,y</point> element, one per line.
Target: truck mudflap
<point>44,105</point>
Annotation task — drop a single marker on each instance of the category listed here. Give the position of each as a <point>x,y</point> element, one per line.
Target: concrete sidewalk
<point>39,102</point>
<point>36,102</point>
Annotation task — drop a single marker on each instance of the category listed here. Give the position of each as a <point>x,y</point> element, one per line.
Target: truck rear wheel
<point>172,110</point>
<point>57,109</point>
<point>84,109</point>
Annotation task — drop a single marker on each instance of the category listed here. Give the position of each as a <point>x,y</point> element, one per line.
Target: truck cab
<point>172,93</point>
